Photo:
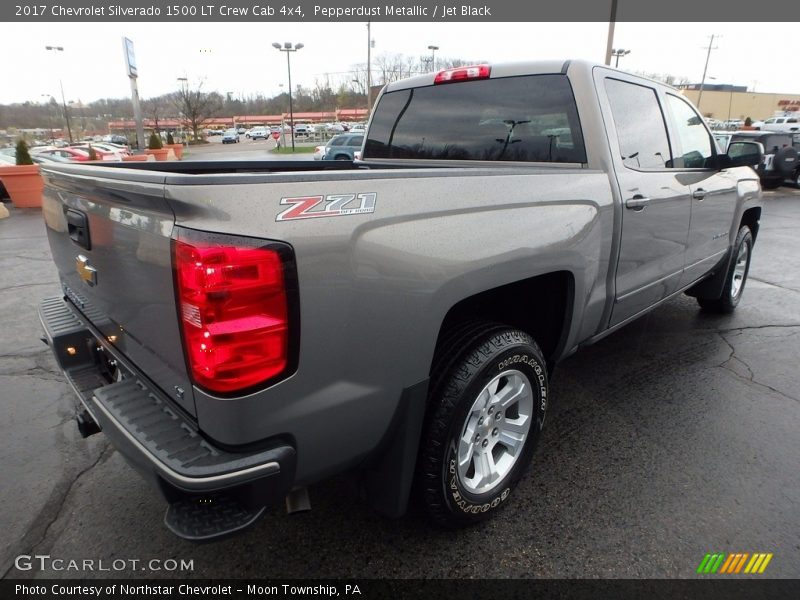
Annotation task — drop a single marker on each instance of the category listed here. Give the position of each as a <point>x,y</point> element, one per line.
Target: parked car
<point>302,129</point>
<point>103,151</point>
<point>116,139</point>
<point>241,130</point>
<point>258,133</point>
<point>231,136</point>
<point>788,124</point>
<point>342,146</point>
<point>780,159</point>
<point>71,154</point>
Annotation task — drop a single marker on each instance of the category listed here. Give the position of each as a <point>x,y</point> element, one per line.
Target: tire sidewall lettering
<point>536,372</point>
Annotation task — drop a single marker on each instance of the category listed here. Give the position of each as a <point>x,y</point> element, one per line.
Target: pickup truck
<point>241,330</point>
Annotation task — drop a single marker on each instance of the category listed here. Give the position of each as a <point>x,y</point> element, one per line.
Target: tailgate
<point>110,239</point>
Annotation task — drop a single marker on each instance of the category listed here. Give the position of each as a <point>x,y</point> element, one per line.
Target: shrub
<point>155,142</point>
<point>23,156</point>
<point>170,139</point>
<point>92,153</point>
<point>748,122</point>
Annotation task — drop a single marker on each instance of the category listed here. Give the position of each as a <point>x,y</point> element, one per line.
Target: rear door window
<point>641,130</point>
<point>530,118</point>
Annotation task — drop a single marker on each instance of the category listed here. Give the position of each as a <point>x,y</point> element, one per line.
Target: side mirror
<point>745,154</point>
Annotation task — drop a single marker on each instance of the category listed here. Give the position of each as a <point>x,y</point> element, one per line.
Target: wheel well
<point>537,306</point>
<point>751,218</point>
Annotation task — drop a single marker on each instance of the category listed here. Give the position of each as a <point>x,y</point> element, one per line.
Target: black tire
<point>732,290</point>
<point>771,184</point>
<point>470,359</point>
<point>342,157</point>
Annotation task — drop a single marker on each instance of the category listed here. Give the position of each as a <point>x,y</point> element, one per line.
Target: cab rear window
<point>532,118</point>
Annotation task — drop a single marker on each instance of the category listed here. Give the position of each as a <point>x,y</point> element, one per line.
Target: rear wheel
<point>487,407</point>
<point>737,275</point>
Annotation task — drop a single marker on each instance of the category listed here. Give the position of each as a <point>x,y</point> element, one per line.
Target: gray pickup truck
<point>240,330</point>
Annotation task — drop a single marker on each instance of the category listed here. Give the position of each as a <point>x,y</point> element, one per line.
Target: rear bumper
<point>153,435</point>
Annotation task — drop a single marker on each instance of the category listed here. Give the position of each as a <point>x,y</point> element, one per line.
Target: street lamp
<point>617,53</point>
<point>287,47</point>
<point>433,50</point>
<point>50,100</point>
<point>63,100</point>
<point>184,93</point>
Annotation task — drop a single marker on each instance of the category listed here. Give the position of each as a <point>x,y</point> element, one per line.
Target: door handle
<point>699,194</point>
<point>637,203</point>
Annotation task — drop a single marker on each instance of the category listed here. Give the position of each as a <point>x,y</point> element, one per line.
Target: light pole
<point>63,100</point>
<point>433,50</point>
<point>50,100</point>
<point>705,70</point>
<point>617,53</point>
<point>369,67</point>
<point>287,47</point>
<point>184,91</point>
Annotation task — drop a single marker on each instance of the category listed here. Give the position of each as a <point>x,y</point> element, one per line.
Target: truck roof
<point>512,69</point>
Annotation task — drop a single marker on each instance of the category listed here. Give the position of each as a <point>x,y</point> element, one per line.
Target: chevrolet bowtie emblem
<point>86,272</point>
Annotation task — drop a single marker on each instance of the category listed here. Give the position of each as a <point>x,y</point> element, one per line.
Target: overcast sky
<point>239,58</point>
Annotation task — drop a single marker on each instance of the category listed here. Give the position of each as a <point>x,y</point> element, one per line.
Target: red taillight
<point>234,314</point>
<point>463,74</point>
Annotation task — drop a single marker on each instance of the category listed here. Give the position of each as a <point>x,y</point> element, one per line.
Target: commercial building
<point>725,102</point>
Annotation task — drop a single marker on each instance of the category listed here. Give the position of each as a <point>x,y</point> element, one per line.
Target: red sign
<point>275,135</point>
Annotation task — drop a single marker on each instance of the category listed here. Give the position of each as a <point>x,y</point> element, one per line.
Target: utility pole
<point>369,68</point>
<point>705,70</point>
<point>133,74</point>
<point>611,22</point>
<point>63,98</point>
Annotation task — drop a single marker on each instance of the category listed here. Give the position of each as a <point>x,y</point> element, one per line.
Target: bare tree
<point>155,109</point>
<point>392,67</point>
<point>196,107</point>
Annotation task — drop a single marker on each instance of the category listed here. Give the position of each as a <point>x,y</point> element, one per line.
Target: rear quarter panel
<point>374,288</point>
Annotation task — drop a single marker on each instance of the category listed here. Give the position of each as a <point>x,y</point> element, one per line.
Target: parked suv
<point>342,147</point>
<point>303,130</point>
<point>257,133</point>
<point>780,158</point>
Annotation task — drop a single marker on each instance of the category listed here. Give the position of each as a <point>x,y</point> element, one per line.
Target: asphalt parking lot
<point>246,149</point>
<point>677,436</point>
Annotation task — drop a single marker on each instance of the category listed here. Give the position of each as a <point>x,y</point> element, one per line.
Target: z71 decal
<point>333,205</point>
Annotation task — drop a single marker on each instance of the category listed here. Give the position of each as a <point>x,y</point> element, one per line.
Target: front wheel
<point>737,275</point>
<point>488,403</point>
